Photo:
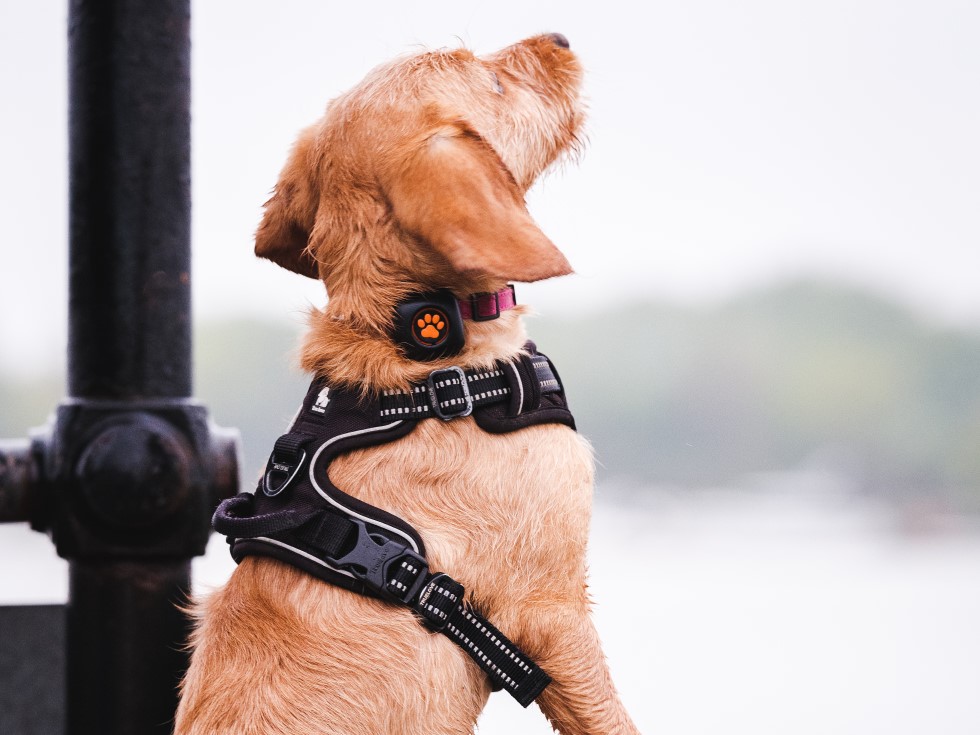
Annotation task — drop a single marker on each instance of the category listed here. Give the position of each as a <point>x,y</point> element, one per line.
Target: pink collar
<point>482,307</point>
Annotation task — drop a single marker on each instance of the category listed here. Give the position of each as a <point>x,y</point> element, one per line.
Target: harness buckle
<point>386,566</point>
<point>433,384</point>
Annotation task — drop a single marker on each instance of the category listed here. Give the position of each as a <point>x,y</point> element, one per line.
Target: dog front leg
<point>581,700</point>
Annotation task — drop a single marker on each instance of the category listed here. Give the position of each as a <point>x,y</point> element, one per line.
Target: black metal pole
<point>129,177</point>
<point>127,475</point>
<point>125,645</point>
<point>129,340</point>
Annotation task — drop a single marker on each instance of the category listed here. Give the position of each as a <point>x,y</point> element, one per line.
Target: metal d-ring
<point>284,468</point>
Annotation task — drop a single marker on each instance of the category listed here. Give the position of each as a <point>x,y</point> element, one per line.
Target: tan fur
<point>415,180</point>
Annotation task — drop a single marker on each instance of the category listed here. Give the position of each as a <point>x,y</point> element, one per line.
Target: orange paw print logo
<point>430,327</point>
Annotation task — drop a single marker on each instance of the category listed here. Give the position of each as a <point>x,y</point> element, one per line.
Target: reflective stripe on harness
<point>298,516</point>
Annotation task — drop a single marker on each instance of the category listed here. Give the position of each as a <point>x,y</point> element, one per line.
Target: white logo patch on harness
<point>320,406</point>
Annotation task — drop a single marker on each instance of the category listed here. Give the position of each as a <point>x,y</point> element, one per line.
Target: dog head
<point>415,179</point>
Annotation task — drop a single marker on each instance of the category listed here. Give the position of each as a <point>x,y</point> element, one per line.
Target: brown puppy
<point>415,180</point>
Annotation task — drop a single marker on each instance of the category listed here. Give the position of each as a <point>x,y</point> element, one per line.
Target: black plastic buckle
<point>376,559</point>
<point>434,396</point>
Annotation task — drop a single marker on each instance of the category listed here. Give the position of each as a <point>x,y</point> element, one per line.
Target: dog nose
<point>560,40</point>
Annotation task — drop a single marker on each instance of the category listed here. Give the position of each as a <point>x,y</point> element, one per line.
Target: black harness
<point>298,516</point>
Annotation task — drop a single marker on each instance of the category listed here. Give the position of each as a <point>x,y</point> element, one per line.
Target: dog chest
<point>467,490</point>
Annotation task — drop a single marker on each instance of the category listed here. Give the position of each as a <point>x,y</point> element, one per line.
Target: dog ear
<point>456,194</point>
<point>284,233</point>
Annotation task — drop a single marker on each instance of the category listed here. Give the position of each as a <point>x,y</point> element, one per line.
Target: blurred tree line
<point>806,375</point>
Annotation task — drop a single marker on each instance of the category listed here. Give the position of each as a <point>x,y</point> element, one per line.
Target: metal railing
<point>126,476</point>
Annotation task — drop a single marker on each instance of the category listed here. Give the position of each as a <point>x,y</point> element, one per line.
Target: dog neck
<point>347,351</point>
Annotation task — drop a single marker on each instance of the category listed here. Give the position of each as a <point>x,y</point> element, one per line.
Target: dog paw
<point>431,326</point>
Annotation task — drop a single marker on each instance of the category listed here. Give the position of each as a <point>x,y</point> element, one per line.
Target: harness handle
<point>233,518</point>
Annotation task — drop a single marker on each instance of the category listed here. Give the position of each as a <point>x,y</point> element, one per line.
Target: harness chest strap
<point>298,516</point>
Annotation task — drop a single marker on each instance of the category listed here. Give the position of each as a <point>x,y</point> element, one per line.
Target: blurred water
<point>766,612</point>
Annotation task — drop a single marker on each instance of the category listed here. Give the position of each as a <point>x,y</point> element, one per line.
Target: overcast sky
<point>731,144</point>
